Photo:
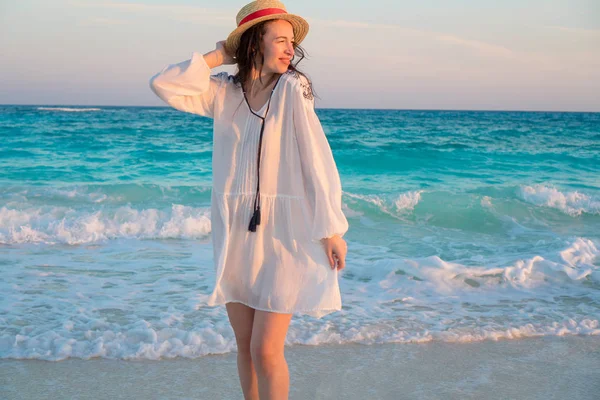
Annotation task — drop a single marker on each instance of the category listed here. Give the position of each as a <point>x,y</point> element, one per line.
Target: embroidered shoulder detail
<point>306,89</point>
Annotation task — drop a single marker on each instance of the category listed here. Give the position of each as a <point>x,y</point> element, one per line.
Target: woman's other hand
<point>336,249</point>
<point>226,58</point>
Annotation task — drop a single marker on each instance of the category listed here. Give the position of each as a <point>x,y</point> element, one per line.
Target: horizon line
<point>322,108</point>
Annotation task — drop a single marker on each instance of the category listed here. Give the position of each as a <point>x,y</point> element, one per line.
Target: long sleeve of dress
<point>188,86</point>
<point>319,171</point>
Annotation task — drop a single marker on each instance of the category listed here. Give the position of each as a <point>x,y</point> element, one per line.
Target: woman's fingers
<point>340,258</point>
<point>341,263</point>
<point>330,256</point>
<point>336,254</point>
<point>226,57</point>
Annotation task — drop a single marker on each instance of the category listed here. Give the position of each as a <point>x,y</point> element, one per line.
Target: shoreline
<point>526,368</point>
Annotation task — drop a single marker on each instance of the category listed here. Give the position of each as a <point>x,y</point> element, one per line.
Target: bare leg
<point>267,349</point>
<point>242,318</point>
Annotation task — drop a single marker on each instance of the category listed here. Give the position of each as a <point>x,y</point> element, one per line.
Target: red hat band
<point>261,13</point>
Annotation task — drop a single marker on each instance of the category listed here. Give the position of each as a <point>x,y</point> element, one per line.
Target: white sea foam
<point>572,203</point>
<point>397,205</point>
<point>486,201</point>
<point>408,201</point>
<point>67,225</point>
<point>143,301</point>
<point>152,341</point>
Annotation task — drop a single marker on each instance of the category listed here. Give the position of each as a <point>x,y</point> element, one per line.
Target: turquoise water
<point>463,226</point>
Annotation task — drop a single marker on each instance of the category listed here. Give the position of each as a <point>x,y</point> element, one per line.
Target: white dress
<point>282,267</point>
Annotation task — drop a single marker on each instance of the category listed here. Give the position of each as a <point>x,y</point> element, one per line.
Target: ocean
<point>465,226</point>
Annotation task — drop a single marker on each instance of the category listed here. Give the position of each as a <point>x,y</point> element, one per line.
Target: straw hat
<point>263,10</point>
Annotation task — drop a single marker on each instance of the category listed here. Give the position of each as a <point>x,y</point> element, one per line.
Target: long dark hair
<point>249,47</point>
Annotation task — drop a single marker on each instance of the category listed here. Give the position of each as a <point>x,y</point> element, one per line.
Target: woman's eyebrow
<point>283,37</point>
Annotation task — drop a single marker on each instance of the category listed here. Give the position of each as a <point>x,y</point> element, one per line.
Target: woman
<point>277,222</point>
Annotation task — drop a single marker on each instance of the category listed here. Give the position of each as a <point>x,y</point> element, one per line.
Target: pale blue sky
<point>428,54</point>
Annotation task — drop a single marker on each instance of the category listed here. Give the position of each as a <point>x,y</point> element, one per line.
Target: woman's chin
<point>282,67</point>
<point>279,69</point>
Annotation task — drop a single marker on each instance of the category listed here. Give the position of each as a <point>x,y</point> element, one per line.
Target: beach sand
<point>529,368</point>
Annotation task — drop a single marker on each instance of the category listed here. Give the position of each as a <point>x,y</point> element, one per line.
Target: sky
<point>536,55</point>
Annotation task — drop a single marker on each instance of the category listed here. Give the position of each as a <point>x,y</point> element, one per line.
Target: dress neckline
<point>260,109</point>
<point>266,102</point>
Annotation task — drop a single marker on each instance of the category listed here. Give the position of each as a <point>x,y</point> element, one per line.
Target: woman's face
<point>278,46</point>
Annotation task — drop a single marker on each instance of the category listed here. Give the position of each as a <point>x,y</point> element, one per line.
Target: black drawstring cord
<point>255,220</point>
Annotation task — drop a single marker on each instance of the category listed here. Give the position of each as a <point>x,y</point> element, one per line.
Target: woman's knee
<point>264,354</point>
<point>268,338</point>
<point>243,346</point>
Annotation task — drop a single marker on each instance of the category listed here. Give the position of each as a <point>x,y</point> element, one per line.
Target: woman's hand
<point>226,58</point>
<point>336,249</point>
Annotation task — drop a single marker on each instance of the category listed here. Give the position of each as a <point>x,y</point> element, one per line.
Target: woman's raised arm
<point>189,86</point>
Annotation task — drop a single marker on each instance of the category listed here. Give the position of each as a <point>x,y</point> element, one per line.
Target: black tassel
<point>257,212</point>
<point>255,220</point>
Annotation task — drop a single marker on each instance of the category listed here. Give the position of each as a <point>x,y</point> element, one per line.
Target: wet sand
<point>532,368</point>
